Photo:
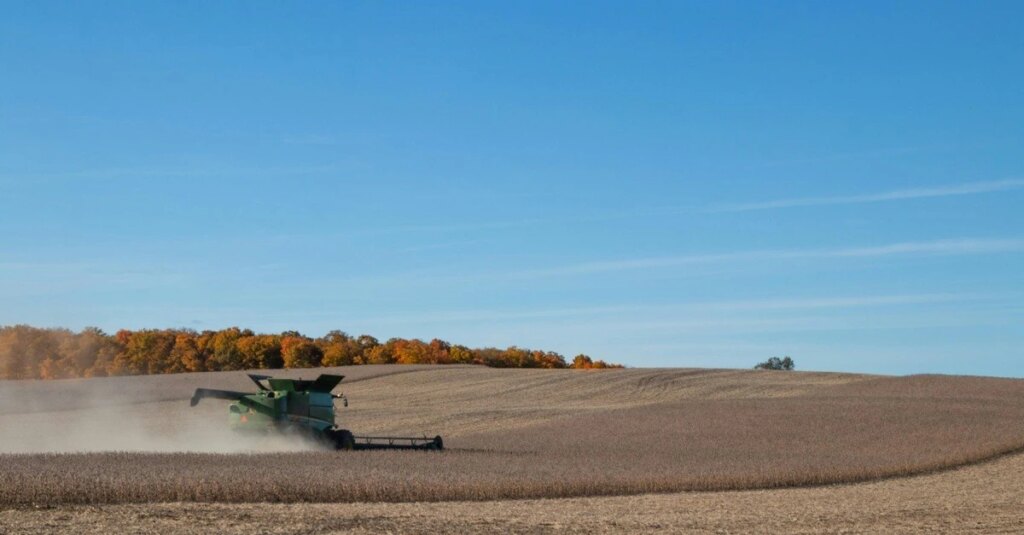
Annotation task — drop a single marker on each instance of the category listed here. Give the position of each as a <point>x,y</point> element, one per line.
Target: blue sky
<point>653,183</point>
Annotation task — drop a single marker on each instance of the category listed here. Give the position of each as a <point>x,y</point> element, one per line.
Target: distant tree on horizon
<point>775,363</point>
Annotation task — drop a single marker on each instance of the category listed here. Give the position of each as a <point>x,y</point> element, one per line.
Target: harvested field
<point>983,498</point>
<point>512,434</point>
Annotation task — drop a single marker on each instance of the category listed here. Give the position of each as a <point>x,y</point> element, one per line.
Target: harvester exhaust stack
<point>307,407</point>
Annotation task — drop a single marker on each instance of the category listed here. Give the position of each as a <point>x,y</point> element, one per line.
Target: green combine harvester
<point>305,408</point>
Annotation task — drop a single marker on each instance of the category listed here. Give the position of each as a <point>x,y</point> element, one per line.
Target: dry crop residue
<point>983,498</point>
<point>552,433</point>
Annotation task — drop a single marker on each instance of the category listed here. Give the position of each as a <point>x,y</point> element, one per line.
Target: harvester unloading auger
<point>303,407</point>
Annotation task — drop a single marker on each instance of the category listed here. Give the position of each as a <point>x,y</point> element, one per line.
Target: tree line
<point>52,353</point>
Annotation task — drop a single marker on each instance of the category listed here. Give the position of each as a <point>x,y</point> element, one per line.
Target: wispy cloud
<point>950,247</point>
<point>56,277</point>
<point>966,246</point>
<point>311,139</point>
<point>949,190</point>
<point>621,311</point>
<point>969,188</point>
<point>457,276</point>
<point>844,156</point>
<point>437,246</point>
<point>195,171</point>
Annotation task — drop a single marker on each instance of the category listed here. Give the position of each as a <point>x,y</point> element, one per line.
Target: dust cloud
<point>113,414</point>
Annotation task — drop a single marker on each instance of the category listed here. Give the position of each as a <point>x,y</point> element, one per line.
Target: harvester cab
<point>304,407</point>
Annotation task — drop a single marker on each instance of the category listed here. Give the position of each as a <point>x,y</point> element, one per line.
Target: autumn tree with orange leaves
<point>33,353</point>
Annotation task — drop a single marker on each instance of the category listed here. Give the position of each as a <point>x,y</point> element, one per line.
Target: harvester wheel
<point>343,440</point>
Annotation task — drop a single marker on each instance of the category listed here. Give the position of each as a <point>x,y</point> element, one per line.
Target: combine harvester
<point>305,408</point>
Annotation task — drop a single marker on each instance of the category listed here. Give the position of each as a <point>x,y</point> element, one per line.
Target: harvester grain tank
<point>302,407</point>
